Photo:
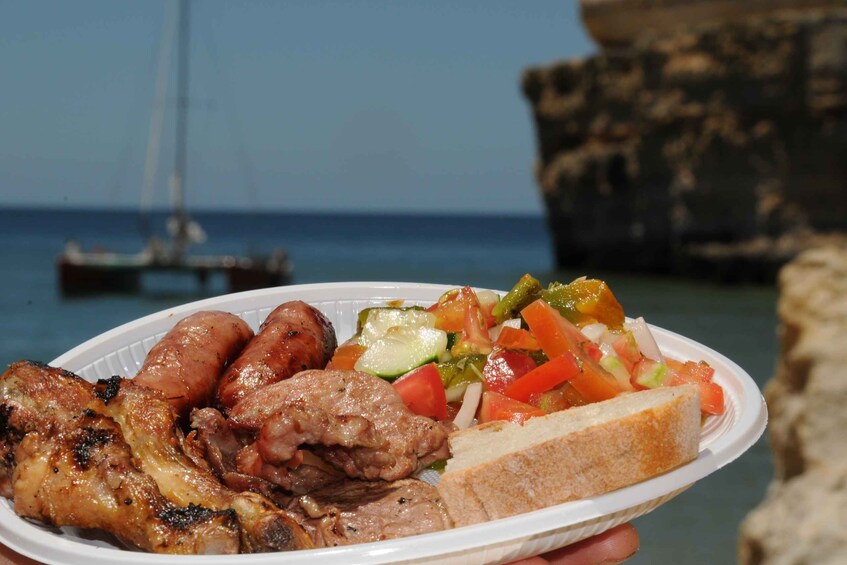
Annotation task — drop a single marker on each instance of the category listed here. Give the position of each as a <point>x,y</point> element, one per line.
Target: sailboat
<point>95,272</point>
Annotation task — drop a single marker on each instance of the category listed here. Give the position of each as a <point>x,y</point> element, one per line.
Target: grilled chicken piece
<point>34,396</point>
<point>82,475</point>
<point>365,511</point>
<point>149,424</point>
<point>355,421</point>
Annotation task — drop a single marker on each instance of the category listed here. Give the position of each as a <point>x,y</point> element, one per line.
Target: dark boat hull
<point>92,274</point>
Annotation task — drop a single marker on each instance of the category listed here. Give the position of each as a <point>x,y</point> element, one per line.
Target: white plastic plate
<point>121,351</point>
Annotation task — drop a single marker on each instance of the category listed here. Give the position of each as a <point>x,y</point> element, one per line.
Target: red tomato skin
<point>544,377</point>
<point>504,367</point>
<point>423,392</point>
<point>711,398</point>
<point>556,335</point>
<point>711,394</point>
<point>495,406</point>
<point>517,338</point>
<point>627,350</point>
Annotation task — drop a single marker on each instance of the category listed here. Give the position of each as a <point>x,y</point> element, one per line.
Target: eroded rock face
<point>614,23</point>
<point>804,516</point>
<point>718,133</point>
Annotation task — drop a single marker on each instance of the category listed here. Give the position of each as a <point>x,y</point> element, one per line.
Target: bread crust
<point>602,457</point>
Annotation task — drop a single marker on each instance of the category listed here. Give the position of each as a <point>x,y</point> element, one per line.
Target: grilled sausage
<point>187,363</point>
<point>293,338</point>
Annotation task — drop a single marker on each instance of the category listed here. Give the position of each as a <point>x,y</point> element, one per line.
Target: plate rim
<point>27,539</point>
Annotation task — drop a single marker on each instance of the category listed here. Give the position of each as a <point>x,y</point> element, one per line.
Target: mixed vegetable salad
<point>473,357</point>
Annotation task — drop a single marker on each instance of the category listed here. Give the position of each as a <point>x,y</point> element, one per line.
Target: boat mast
<point>179,217</point>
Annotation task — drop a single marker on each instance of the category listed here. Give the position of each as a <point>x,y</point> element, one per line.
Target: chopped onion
<point>646,343</point>
<point>456,393</point>
<point>593,331</point>
<point>466,414</point>
<point>494,332</point>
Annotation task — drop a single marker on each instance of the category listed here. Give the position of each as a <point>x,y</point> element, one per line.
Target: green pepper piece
<point>525,291</point>
<point>585,301</point>
<point>438,465</point>
<point>465,369</point>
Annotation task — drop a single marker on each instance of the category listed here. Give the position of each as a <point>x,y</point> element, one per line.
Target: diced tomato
<point>345,356</point>
<point>449,311</point>
<point>496,406</point>
<point>594,383</point>
<point>544,377</point>
<point>690,371</point>
<point>422,391</point>
<point>627,349</point>
<point>556,335</point>
<point>711,394</point>
<point>503,367</point>
<point>550,401</point>
<point>517,338</point>
<point>648,373</point>
<point>459,311</point>
<point>451,307</point>
<point>711,398</point>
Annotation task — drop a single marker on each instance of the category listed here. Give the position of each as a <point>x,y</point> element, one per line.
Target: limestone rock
<point>803,517</point>
<point>614,23</point>
<point>717,133</point>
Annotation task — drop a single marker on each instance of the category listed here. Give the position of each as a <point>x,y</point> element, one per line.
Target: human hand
<point>612,546</point>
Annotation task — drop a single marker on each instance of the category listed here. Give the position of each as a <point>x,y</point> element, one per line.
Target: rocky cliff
<point>719,143</point>
<point>804,516</point>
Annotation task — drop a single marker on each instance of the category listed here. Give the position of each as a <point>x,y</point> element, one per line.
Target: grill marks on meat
<point>34,397</point>
<point>355,421</point>
<point>149,425</point>
<point>71,466</point>
<point>84,476</point>
<point>188,361</point>
<point>293,338</point>
<point>74,446</point>
<point>360,512</point>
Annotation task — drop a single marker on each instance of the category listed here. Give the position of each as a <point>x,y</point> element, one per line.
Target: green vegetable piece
<point>525,291</point>
<point>459,370</point>
<point>363,314</point>
<point>438,465</point>
<point>653,376</point>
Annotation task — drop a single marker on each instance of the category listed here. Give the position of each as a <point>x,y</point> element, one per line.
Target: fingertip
<point>612,546</point>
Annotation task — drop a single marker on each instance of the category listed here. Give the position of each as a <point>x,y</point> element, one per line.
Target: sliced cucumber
<point>651,374</point>
<point>381,320</point>
<point>401,349</point>
<point>614,365</point>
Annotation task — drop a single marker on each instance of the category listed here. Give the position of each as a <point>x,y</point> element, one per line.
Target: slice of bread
<point>501,469</point>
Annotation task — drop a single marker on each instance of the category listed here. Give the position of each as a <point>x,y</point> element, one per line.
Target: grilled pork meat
<point>365,511</point>
<point>150,427</point>
<point>188,361</point>
<point>82,475</point>
<point>355,421</point>
<point>217,445</point>
<point>293,338</point>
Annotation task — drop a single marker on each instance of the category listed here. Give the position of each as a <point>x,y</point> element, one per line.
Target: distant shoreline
<point>211,212</point>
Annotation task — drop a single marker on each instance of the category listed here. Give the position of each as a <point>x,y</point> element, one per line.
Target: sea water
<point>698,526</point>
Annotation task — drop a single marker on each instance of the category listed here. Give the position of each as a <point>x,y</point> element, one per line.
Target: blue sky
<point>312,105</point>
